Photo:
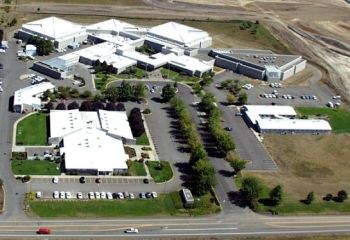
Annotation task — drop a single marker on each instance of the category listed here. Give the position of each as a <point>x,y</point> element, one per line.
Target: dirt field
<point>309,163</point>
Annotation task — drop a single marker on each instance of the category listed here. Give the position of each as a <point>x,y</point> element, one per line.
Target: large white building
<point>28,99</point>
<point>60,31</point>
<point>91,142</point>
<point>282,119</point>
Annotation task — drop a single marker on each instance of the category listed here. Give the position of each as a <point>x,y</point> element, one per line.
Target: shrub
<point>310,198</point>
<point>146,111</point>
<point>19,155</point>
<point>26,178</point>
<point>130,151</point>
<point>328,197</point>
<point>73,105</point>
<point>146,148</point>
<point>342,196</point>
<point>145,155</point>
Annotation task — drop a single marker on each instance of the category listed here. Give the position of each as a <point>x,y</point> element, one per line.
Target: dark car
<point>1,66</point>
<point>228,129</point>
<point>98,180</point>
<point>148,195</point>
<point>82,180</point>
<point>146,181</point>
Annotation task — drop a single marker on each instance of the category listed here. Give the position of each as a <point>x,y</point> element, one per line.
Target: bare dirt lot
<point>309,163</point>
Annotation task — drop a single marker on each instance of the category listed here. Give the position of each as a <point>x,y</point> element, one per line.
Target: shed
<point>187,197</point>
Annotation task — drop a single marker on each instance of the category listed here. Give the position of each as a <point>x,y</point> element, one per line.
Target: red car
<point>44,230</point>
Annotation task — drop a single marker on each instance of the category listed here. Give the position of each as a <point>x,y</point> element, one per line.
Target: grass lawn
<point>175,76</point>
<point>32,130</point>
<point>162,175</point>
<point>317,163</point>
<point>101,80</point>
<point>142,140</point>
<point>164,205</point>
<point>339,118</point>
<point>34,167</point>
<point>136,169</point>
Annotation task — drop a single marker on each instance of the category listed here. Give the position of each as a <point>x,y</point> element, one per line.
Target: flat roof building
<point>282,119</point>
<point>259,64</point>
<point>61,31</point>
<point>191,66</point>
<point>91,142</point>
<point>28,99</point>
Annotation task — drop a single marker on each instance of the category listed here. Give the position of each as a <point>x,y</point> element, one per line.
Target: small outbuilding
<point>187,197</point>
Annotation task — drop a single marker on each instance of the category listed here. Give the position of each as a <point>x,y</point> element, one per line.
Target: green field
<point>142,140</point>
<point>34,167</point>
<point>137,169</point>
<point>176,76</point>
<point>163,175</point>
<point>32,130</point>
<point>164,205</point>
<point>339,118</point>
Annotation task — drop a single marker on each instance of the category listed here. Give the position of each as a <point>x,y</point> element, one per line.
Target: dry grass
<point>102,2</point>
<point>301,78</point>
<point>309,163</point>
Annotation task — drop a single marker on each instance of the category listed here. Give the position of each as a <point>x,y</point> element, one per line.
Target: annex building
<point>259,64</point>
<point>91,142</point>
<point>28,99</point>
<point>281,119</point>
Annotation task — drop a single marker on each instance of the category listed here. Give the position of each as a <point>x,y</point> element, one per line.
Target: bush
<point>310,198</point>
<point>328,197</point>
<point>130,151</point>
<point>73,105</point>
<point>145,155</point>
<point>146,111</point>
<point>146,148</point>
<point>342,196</point>
<point>26,178</point>
<point>19,155</point>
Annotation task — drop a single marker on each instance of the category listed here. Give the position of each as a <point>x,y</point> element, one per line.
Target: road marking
<point>199,229</point>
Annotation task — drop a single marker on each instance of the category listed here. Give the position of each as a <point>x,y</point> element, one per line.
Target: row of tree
<point>204,173</point>
<point>224,141</point>
<point>235,94</point>
<point>136,122</point>
<point>86,106</point>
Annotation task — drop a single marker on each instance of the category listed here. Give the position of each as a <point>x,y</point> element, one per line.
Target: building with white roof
<point>60,31</point>
<point>149,62</point>
<point>91,142</point>
<point>28,99</point>
<point>191,66</point>
<point>180,35</point>
<point>282,119</point>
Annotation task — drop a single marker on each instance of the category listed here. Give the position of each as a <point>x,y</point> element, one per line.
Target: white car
<point>120,195</point>
<point>55,180</point>
<point>97,195</point>
<point>132,195</point>
<point>68,195</point>
<point>91,195</point>
<point>62,195</point>
<point>79,195</point>
<point>132,230</point>
<point>103,195</point>
<point>56,194</point>
<point>109,195</point>
<point>1,89</point>
<point>154,195</point>
<point>38,194</point>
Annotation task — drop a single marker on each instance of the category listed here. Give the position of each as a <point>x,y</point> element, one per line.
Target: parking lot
<point>287,95</point>
<point>89,180</point>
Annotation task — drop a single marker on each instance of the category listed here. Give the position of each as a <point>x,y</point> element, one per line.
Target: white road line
<point>199,229</point>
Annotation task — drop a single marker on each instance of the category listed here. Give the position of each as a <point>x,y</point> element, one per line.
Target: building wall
<point>47,70</point>
<point>288,73</point>
<point>300,66</point>
<point>224,63</point>
<point>251,72</point>
<point>73,39</point>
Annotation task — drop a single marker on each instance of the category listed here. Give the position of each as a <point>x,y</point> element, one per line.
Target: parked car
<point>146,181</point>
<point>82,180</point>
<point>103,195</point>
<point>98,180</point>
<point>55,180</point>
<point>56,194</point>
<point>91,195</point>
<point>79,195</point>
<point>38,194</point>
<point>228,129</point>
<point>62,195</point>
<point>154,195</point>
<point>142,195</point>
<point>109,195</point>
<point>132,230</point>
<point>126,195</point>
<point>120,195</point>
<point>68,195</point>
<point>132,195</point>
<point>97,195</point>
<point>148,195</point>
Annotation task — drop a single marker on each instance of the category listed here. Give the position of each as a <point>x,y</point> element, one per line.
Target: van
<point>44,230</point>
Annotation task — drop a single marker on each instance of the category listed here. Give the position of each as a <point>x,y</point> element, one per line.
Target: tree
<point>74,93</point>
<point>251,189</point>
<point>86,94</point>
<point>86,106</point>
<point>231,99</point>
<point>328,197</point>
<point>238,165</point>
<point>204,177</point>
<point>98,97</point>
<point>64,92</point>
<point>139,91</point>
<point>310,198</point>
<point>1,35</point>
<point>61,106</point>
<point>197,153</point>
<point>1,182</point>
<point>120,107</point>
<point>168,92</point>
<point>136,122</point>
<point>125,91</point>
<point>242,99</point>
<point>276,195</point>
<point>207,102</point>
<point>110,106</point>
<point>224,141</point>
<point>97,105</point>
<point>111,94</point>
<point>342,196</point>
<point>49,106</point>
<point>73,105</point>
